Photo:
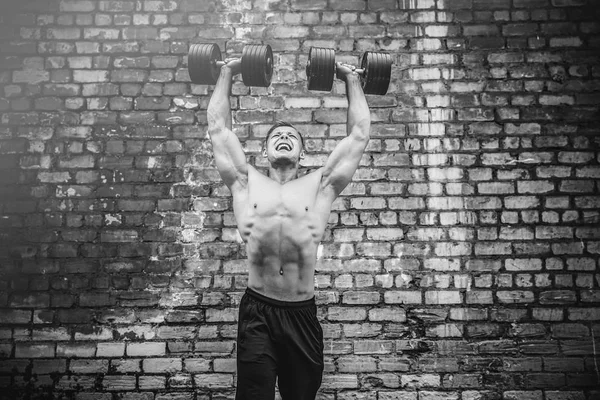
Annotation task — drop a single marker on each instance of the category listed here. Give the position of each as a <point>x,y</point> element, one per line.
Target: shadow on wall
<point>109,248</point>
<point>101,241</point>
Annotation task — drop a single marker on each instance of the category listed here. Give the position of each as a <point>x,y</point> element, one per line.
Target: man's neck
<point>283,173</point>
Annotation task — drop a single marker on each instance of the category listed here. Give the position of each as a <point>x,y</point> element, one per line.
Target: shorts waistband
<point>279,303</point>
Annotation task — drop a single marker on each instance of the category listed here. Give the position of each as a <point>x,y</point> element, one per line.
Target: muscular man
<point>282,218</point>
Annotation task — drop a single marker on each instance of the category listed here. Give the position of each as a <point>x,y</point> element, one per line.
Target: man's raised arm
<point>229,154</point>
<point>344,159</point>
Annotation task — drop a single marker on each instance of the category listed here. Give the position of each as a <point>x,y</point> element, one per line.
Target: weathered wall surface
<point>461,263</point>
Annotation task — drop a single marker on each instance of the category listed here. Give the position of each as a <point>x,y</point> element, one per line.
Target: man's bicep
<point>230,158</point>
<point>343,163</point>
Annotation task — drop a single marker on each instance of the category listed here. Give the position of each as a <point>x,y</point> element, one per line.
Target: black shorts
<point>278,339</point>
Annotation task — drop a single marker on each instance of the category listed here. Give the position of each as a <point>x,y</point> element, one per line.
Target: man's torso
<point>282,226</point>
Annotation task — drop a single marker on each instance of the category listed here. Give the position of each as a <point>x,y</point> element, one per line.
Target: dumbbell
<point>205,61</point>
<point>375,70</point>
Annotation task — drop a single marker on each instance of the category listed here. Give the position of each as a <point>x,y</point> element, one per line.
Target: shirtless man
<point>282,218</point>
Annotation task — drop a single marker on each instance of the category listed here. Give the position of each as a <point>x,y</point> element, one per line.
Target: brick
<point>51,334</point>
<point>373,347</point>
<point>32,350</point>
<point>32,77</point>
<point>467,314</point>
<point>76,6</point>
<point>75,383</point>
<point>523,395</point>
<point>63,33</point>
<point>356,297</point>
<point>515,296</point>
<point>443,297</point>
<point>425,395</point>
<point>566,42</point>
<point>128,76</point>
<point>482,30</point>
<point>160,5</point>
<point>30,301</point>
<point>152,103</point>
<point>100,34</point>
<point>523,364</point>
<point>449,249</point>
<point>497,187</point>
<point>578,380</point>
<point>88,366</point>
<point>197,365</point>
<point>587,201</point>
<point>402,297</point>
<point>353,364</point>
<point>346,314</point>
<point>588,172</point>
<point>554,232</point>
<point>146,349</point>
<point>523,264</point>
<point>42,367</point>
<point>116,6</point>
<point>564,395</point>
<point>14,317</point>
<point>210,381</point>
<point>387,314</point>
<point>92,333</point>
<point>85,76</point>
<point>152,382</point>
<point>396,395</point>
<point>118,382</point>
<point>414,381</point>
<point>339,381</point>
<point>162,365</point>
<point>576,314</point>
<point>384,234</point>
<point>110,350</point>
<point>140,33</point>
<point>126,365</point>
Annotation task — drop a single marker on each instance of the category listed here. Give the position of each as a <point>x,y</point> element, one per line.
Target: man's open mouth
<point>283,146</point>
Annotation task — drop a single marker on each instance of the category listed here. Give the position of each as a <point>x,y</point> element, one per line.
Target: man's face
<point>284,145</point>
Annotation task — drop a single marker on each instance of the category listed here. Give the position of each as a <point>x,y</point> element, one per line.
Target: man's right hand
<point>343,71</point>
<point>234,64</point>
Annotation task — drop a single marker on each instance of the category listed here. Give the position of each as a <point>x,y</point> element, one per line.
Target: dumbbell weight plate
<point>320,68</point>
<point>377,72</point>
<point>257,65</point>
<point>369,78</point>
<point>202,63</point>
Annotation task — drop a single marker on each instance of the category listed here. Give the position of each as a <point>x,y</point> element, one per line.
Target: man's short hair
<point>279,124</point>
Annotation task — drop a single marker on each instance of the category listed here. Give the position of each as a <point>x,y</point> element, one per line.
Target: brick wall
<point>461,263</point>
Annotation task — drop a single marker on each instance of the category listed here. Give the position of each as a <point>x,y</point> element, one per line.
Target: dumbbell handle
<point>359,71</point>
<point>221,63</point>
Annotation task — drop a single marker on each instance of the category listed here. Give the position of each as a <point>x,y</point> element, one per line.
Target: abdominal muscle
<point>282,226</point>
<point>282,258</point>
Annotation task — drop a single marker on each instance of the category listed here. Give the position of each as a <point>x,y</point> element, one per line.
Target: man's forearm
<point>359,115</point>
<point>219,107</point>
